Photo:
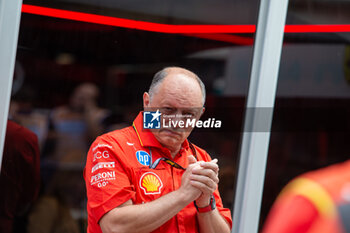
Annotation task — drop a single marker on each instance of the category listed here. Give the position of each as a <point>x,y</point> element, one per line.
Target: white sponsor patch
<point>102,178</point>
<point>101,145</point>
<point>131,144</point>
<point>103,165</point>
<point>99,155</point>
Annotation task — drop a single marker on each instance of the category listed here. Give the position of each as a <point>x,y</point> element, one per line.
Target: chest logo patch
<point>143,157</point>
<point>150,183</point>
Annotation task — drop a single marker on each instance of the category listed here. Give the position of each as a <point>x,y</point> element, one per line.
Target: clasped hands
<point>200,180</point>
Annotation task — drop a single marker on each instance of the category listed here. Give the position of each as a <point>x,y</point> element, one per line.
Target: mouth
<point>170,132</point>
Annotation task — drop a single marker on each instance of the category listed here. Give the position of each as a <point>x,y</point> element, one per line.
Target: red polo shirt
<point>311,203</point>
<point>117,169</point>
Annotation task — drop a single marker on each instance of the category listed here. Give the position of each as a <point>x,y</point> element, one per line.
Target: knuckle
<point>211,183</point>
<point>212,173</point>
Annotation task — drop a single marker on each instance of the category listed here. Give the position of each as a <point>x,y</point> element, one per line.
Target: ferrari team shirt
<point>117,170</point>
<point>315,202</point>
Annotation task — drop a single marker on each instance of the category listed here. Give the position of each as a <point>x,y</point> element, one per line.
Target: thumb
<point>191,159</point>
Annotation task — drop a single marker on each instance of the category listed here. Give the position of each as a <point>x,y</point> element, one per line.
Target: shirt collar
<point>146,137</point>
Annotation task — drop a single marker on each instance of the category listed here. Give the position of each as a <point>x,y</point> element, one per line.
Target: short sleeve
<point>107,182</point>
<point>225,212</point>
<point>290,214</point>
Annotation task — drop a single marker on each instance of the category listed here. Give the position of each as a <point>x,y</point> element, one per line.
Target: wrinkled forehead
<point>180,90</point>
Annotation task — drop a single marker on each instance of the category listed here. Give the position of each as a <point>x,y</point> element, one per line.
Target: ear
<point>146,100</point>
<point>203,110</point>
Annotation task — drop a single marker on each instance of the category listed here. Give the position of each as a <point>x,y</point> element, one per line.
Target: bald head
<point>177,79</point>
<point>178,93</point>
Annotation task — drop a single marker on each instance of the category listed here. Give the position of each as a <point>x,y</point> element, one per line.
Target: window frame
<point>260,105</point>
<point>10,15</point>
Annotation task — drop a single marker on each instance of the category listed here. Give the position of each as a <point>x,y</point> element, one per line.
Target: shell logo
<point>150,183</point>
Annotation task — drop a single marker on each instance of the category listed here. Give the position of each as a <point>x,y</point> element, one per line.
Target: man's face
<point>83,97</point>
<point>176,96</point>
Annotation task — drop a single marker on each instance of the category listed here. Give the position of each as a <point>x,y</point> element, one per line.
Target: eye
<point>188,114</point>
<point>167,110</point>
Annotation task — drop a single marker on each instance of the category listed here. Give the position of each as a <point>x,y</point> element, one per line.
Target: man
<point>19,178</point>
<point>76,124</point>
<point>315,202</point>
<point>136,178</point>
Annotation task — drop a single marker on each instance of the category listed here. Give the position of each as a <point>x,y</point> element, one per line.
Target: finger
<point>191,159</point>
<point>210,165</point>
<point>192,166</point>
<point>214,161</point>
<point>205,180</point>
<point>206,172</point>
<point>214,178</point>
<point>202,187</point>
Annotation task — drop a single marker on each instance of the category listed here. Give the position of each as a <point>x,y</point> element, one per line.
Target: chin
<point>169,142</point>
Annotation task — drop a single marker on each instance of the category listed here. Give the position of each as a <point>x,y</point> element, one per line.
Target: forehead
<point>179,90</point>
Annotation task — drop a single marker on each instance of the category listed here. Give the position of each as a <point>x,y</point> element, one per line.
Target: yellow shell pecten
<point>151,183</point>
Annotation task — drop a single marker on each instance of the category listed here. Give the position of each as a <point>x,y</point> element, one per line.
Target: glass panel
<point>311,117</point>
<point>75,80</point>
